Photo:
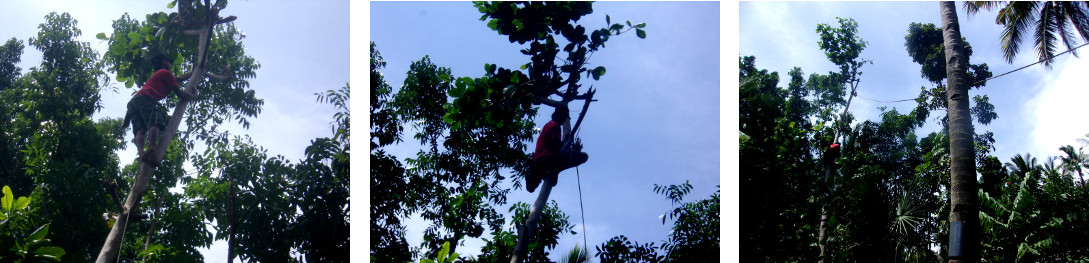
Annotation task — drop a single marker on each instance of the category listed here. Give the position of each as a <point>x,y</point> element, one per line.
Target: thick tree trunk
<point>964,215</point>
<point>112,247</point>
<point>531,223</point>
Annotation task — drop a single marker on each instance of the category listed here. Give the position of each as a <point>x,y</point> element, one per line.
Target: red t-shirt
<point>548,142</point>
<point>158,86</point>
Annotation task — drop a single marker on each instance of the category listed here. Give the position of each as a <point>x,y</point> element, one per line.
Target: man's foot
<point>532,181</point>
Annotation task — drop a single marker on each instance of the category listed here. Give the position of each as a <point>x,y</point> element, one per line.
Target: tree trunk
<point>964,215</point>
<point>154,222</point>
<point>111,248</point>
<point>531,223</point>
<point>231,243</point>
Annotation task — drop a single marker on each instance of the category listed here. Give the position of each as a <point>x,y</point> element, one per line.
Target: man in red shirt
<point>550,157</point>
<point>148,117</point>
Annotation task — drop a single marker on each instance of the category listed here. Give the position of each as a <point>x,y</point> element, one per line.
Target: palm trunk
<point>964,215</point>
<point>111,248</point>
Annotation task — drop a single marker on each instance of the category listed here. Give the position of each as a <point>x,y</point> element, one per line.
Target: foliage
<point>501,246</point>
<point>1048,20</point>
<point>694,236</point>
<point>576,255</point>
<point>926,47</point>
<point>52,147</point>
<point>134,43</point>
<point>15,245</point>
<point>388,185</point>
<point>619,249</point>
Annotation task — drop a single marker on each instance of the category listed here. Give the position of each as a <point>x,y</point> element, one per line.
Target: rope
<point>1037,62</point>
<point>981,81</point>
<point>884,101</point>
<point>579,180</point>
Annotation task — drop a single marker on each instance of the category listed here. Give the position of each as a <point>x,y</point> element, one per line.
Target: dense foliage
<point>888,200</point>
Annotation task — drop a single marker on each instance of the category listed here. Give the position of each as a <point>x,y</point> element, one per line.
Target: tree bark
<point>964,215</point>
<point>111,248</point>
<point>546,189</point>
<point>531,223</point>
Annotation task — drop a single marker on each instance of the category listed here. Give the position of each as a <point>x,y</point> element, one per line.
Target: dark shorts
<point>550,165</point>
<point>144,112</point>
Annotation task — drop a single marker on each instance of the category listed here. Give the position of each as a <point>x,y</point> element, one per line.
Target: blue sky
<point>302,46</point>
<point>1037,107</point>
<point>657,121</point>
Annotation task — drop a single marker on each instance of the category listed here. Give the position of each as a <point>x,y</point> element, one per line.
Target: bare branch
<point>226,19</point>
<point>218,77</point>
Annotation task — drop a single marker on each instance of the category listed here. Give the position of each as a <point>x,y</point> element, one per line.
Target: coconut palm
<point>1050,21</point>
<point>1074,161</point>
<point>962,168</point>
<point>576,255</point>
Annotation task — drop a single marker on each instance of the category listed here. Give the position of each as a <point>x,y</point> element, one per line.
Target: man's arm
<point>181,93</point>
<point>184,76</point>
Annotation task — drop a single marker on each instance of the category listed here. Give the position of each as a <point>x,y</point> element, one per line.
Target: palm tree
<point>964,215</point>
<point>1050,20</point>
<point>1074,161</point>
<point>576,255</point>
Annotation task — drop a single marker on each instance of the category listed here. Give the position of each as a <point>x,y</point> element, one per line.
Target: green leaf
<point>21,203</point>
<point>448,118</point>
<point>640,25</point>
<point>3,216</point>
<point>445,77</point>
<point>5,202</point>
<point>129,83</point>
<point>493,24</point>
<point>49,252</point>
<point>608,20</point>
<point>515,78</point>
<point>456,92</point>
<point>426,261</point>
<point>171,4</point>
<point>102,36</point>
<point>445,251</point>
<point>38,234</point>
<point>525,66</point>
<point>640,33</point>
<point>598,72</point>
<point>134,36</point>
<point>160,32</point>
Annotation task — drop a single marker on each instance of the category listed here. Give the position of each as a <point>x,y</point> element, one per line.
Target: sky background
<point>657,121</point>
<point>302,47</point>
<point>1038,108</point>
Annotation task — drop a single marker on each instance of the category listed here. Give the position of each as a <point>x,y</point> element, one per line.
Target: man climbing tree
<point>551,157</point>
<point>144,111</point>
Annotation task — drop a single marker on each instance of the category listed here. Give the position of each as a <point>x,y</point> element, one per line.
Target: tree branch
<point>226,20</point>
<point>218,77</point>
<point>191,32</point>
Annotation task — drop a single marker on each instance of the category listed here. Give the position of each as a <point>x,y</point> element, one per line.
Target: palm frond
<point>576,255</point>
<point>1016,17</point>
<point>1046,28</point>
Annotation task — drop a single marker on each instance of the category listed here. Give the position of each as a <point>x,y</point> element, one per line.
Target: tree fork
<point>112,246</point>
<point>526,231</point>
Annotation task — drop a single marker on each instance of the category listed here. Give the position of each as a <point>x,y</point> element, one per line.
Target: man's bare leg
<point>139,141</point>
<point>153,136</point>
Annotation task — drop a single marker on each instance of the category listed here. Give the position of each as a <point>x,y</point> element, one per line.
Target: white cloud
<point>1056,108</point>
